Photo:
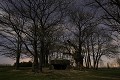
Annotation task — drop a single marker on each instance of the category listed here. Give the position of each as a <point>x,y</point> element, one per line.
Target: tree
<point>41,15</point>
<point>108,12</point>
<point>11,29</point>
<point>101,44</point>
<point>82,23</point>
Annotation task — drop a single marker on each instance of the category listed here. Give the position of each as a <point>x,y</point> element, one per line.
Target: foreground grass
<point>23,74</point>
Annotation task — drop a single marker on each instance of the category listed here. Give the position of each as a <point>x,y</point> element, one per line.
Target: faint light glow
<point>25,60</point>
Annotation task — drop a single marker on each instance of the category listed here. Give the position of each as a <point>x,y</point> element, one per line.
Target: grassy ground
<point>23,74</point>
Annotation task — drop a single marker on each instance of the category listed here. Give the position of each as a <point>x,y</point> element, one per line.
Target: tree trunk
<point>81,57</point>
<point>35,64</point>
<point>46,57</point>
<point>17,60</point>
<point>41,55</point>
<point>18,53</point>
<point>80,47</point>
<point>93,53</point>
<point>46,60</point>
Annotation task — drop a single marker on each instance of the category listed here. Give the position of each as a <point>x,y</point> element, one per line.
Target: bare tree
<point>108,11</point>
<point>81,20</point>
<point>12,25</point>
<point>42,15</point>
<point>101,44</point>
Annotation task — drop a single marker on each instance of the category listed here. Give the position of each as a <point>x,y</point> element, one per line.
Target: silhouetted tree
<point>41,15</point>
<point>80,21</point>
<point>11,29</point>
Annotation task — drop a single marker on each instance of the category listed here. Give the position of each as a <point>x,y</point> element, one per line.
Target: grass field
<point>23,74</point>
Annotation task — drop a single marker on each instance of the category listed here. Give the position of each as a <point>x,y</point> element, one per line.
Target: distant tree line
<point>24,64</point>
